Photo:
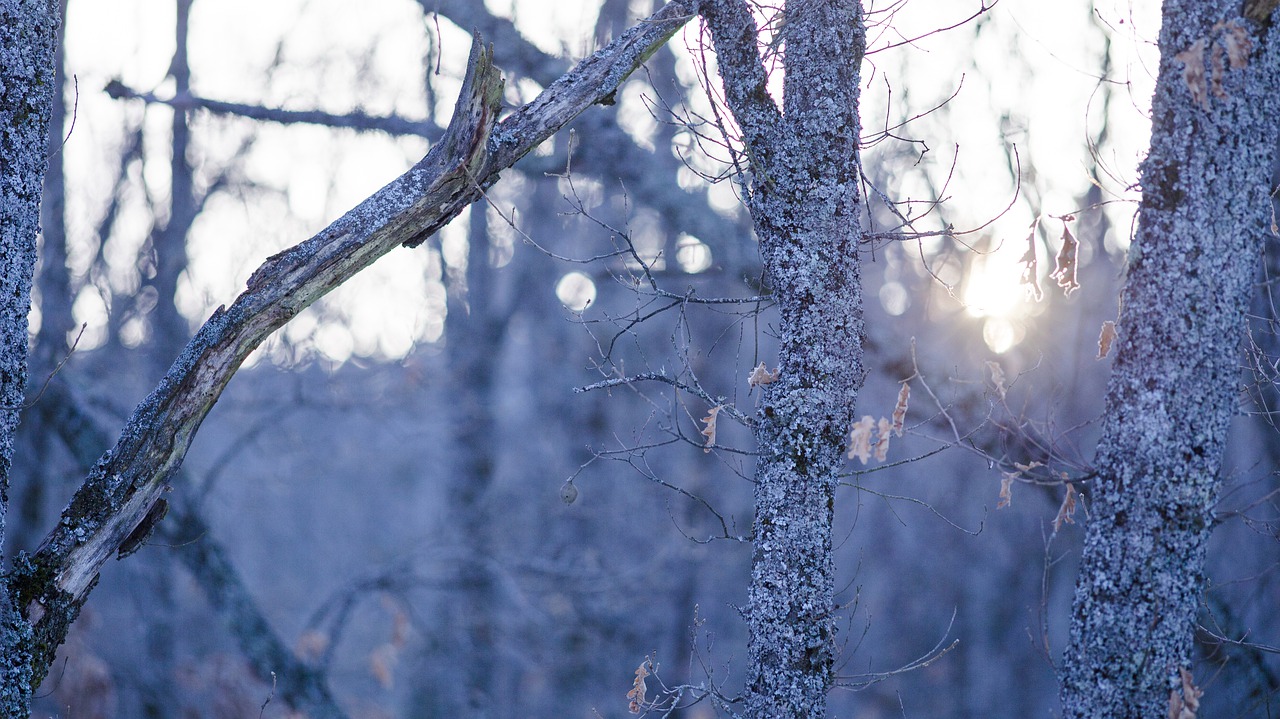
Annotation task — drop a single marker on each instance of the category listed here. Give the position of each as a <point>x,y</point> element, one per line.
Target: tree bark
<point>28,36</point>
<point>804,202</point>
<point>1175,382</point>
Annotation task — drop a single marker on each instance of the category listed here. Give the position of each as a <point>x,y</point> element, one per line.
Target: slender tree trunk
<point>169,331</point>
<point>1175,382</point>
<point>805,205</point>
<point>28,35</point>
<point>474,334</point>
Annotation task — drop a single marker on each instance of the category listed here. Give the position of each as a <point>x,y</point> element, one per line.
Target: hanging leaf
<point>1006,489</point>
<point>638,688</point>
<point>1186,705</point>
<point>997,377</point>
<point>760,375</point>
<point>1192,60</point>
<point>885,428</point>
<point>1065,269</point>
<point>900,409</point>
<point>710,431</point>
<point>1067,511</point>
<point>1030,266</point>
<point>1106,338</point>
<point>860,439</point>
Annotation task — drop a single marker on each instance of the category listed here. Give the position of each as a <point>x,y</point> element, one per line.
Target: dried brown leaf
<point>1192,60</point>
<point>761,375</point>
<point>710,431</point>
<point>1186,705</point>
<point>860,439</point>
<point>900,409</point>
<point>638,688</point>
<point>1105,339</point>
<point>1030,267</point>
<point>1006,489</point>
<point>885,428</point>
<point>1064,270</point>
<point>1066,513</point>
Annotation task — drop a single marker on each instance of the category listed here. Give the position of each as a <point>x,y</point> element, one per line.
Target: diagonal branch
<point>128,481</point>
<point>301,686</point>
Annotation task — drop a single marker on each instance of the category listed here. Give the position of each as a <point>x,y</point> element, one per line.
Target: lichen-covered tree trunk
<point>28,32</point>
<point>1174,387</point>
<point>804,202</point>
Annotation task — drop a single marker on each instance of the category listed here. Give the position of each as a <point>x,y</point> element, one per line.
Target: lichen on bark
<point>1173,389</point>
<point>804,202</point>
<point>28,33</point>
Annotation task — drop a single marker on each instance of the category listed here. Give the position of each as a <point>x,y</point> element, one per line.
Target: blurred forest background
<point>378,503</point>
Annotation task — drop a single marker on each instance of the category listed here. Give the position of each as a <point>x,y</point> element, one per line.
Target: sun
<point>993,291</point>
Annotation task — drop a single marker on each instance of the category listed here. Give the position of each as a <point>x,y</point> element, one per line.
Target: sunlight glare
<point>576,291</point>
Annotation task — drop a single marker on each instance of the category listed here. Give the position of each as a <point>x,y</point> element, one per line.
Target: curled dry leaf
<point>1107,336</point>
<point>900,409</point>
<point>997,377</point>
<point>638,688</point>
<point>1006,489</point>
<point>710,431</point>
<point>1066,513</point>
<point>1064,270</point>
<point>1186,705</point>
<point>860,439</point>
<point>885,428</point>
<point>1030,267</point>
<point>761,375</point>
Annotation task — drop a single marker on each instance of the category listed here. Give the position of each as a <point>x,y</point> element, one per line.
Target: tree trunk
<point>805,205</point>
<point>28,35</point>
<point>1175,382</point>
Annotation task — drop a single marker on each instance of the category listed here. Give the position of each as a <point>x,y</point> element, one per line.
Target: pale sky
<point>1035,63</point>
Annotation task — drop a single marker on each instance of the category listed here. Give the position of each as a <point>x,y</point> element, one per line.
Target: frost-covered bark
<point>803,198</point>
<point>1174,386</point>
<point>28,31</point>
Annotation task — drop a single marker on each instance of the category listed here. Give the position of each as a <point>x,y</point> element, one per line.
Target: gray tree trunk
<point>28,32</point>
<point>1175,382</point>
<point>804,201</point>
